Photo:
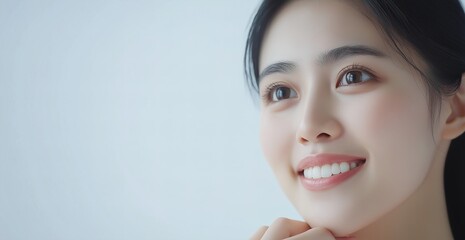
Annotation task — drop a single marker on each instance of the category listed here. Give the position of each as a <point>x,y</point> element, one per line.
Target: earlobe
<point>455,124</point>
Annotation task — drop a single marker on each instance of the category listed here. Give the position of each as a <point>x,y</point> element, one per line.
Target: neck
<point>422,216</point>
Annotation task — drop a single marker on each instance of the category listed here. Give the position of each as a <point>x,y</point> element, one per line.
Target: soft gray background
<point>129,120</point>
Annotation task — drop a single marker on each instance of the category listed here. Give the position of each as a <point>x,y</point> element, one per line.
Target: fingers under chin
<point>259,233</point>
<point>317,233</point>
<point>283,228</point>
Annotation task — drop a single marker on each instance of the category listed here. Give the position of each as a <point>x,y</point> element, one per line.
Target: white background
<point>129,120</point>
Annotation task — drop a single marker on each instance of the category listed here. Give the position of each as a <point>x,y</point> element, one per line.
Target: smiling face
<point>330,84</point>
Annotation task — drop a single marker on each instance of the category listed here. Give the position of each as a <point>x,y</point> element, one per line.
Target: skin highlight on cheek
<point>272,131</point>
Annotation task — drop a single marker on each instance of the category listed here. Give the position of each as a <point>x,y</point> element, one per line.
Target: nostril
<point>303,140</point>
<point>319,137</point>
<point>323,135</point>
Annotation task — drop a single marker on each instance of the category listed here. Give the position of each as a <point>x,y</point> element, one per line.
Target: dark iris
<point>353,77</point>
<point>283,93</point>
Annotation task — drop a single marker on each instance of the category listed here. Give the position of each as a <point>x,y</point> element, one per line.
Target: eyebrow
<point>328,57</point>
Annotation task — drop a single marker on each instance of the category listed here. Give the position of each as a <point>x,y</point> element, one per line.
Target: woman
<point>362,116</point>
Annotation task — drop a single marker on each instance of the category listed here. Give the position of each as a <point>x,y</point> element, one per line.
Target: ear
<point>455,123</point>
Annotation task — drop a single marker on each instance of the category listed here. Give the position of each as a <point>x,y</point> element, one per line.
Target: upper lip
<point>325,158</point>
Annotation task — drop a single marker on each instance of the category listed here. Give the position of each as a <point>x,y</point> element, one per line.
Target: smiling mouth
<point>330,170</point>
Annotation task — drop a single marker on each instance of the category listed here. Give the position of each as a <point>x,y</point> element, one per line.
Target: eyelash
<point>353,67</point>
<point>267,98</point>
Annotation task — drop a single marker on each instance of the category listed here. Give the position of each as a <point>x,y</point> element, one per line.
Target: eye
<point>354,76</point>
<point>281,93</point>
<point>276,93</point>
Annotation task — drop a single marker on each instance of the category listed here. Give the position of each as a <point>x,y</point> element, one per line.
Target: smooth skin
<point>384,116</point>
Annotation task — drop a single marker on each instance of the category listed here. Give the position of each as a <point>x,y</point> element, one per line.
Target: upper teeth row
<point>328,170</point>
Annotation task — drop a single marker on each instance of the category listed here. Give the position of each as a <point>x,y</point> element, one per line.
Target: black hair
<point>433,29</point>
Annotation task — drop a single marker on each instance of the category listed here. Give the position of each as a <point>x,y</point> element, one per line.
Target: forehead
<point>304,29</point>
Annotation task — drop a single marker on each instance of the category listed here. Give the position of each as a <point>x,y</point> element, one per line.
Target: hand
<point>284,228</point>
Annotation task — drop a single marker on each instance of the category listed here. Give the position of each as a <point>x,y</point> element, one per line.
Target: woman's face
<point>334,91</point>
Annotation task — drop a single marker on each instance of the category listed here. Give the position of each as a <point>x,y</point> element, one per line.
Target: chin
<point>345,229</point>
<point>340,225</point>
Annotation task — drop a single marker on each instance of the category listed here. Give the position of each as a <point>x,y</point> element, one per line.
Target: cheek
<point>274,133</point>
<point>390,116</point>
<point>391,123</point>
<point>398,128</point>
<point>396,133</point>
<point>276,137</point>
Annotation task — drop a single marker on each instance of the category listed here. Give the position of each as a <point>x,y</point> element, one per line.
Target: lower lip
<point>326,183</point>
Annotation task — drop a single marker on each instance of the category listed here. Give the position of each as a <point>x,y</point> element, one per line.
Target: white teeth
<point>316,172</point>
<point>327,170</point>
<point>308,173</point>
<point>344,167</point>
<point>335,169</point>
<point>353,165</point>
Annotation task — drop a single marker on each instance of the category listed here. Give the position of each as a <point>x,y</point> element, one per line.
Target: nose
<point>318,123</point>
